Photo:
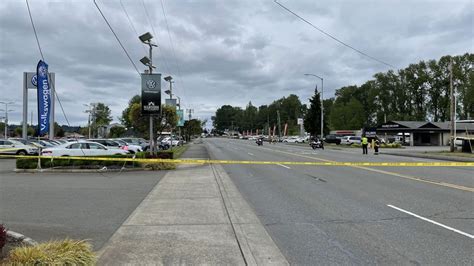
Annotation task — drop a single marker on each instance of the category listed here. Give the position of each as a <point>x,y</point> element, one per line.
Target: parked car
<point>111,144</point>
<point>82,148</point>
<point>170,141</point>
<point>291,140</point>
<point>349,140</point>
<point>129,146</point>
<point>15,147</point>
<point>333,139</point>
<point>144,144</point>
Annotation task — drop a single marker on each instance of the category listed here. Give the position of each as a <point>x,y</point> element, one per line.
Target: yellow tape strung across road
<point>200,161</point>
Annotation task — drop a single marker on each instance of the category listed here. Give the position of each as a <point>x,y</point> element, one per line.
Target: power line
<point>131,24</point>
<point>172,47</point>
<point>116,37</point>
<point>332,37</point>
<point>34,29</point>
<point>154,33</point>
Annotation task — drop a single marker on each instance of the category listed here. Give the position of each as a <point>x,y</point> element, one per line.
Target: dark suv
<point>333,139</point>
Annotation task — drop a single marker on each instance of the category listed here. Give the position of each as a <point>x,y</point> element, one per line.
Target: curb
<point>49,170</point>
<point>428,156</point>
<point>19,238</point>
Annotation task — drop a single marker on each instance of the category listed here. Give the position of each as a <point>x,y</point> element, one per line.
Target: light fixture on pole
<point>148,61</point>
<point>322,107</point>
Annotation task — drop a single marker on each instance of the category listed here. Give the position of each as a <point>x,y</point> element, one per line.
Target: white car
<point>82,148</point>
<point>349,140</point>
<point>291,140</point>
<point>9,146</point>
<point>167,141</point>
<point>129,146</point>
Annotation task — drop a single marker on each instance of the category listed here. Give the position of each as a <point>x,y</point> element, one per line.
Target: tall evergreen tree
<point>312,120</point>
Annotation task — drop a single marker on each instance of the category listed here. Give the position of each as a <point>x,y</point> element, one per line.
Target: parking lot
<point>91,206</point>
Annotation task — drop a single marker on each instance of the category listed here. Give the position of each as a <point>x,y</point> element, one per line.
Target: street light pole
<point>322,102</point>
<point>6,117</point>
<point>146,39</point>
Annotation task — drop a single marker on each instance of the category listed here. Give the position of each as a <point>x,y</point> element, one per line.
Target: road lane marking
<point>251,154</point>
<point>443,184</point>
<point>287,167</point>
<point>433,222</point>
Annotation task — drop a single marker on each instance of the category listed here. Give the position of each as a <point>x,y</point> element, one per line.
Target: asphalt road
<point>92,206</point>
<point>341,215</point>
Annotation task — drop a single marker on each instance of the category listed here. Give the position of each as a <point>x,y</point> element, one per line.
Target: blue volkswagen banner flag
<point>44,97</point>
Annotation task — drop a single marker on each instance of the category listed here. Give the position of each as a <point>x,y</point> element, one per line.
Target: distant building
<point>419,133</point>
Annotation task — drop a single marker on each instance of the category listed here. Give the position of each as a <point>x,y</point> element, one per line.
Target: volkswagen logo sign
<point>42,71</point>
<point>151,84</point>
<point>34,80</point>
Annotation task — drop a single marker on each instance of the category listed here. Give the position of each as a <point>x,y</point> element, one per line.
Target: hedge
<point>32,163</point>
<point>382,146</point>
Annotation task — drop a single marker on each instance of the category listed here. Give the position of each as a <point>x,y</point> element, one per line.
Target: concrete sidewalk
<point>195,215</point>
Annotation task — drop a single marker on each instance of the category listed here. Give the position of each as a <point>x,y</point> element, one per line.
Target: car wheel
<point>21,152</point>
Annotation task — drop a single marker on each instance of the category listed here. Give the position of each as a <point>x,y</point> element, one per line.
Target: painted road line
<point>251,154</point>
<point>282,165</point>
<point>443,184</point>
<point>433,222</point>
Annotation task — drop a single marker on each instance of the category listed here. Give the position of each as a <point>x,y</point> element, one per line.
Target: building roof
<point>423,125</point>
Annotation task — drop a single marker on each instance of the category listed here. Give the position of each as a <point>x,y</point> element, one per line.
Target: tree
<point>312,120</point>
<point>58,130</point>
<point>191,128</point>
<point>101,115</point>
<point>117,132</point>
<point>133,118</point>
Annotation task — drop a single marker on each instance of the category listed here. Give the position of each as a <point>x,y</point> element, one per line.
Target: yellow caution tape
<point>201,161</point>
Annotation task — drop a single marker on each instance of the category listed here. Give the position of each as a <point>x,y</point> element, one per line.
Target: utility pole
<point>279,124</point>
<point>451,96</point>
<point>6,117</point>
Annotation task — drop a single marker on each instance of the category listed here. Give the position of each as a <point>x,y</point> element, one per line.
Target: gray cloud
<point>225,52</point>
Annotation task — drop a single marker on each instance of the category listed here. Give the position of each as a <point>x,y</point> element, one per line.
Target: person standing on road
<point>376,146</point>
<point>365,143</point>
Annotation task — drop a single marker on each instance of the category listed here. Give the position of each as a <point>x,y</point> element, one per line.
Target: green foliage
<point>312,120</point>
<point>192,127</point>
<point>252,118</point>
<point>101,115</point>
<point>116,132</point>
<point>64,252</point>
<point>58,130</point>
<point>132,118</point>
<point>32,163</point>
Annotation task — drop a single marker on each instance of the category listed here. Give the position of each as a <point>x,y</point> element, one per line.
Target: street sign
<point>170,102</point>
<point>31,79</point>
<point>151,94</point>
<point>300,121</point>
<point>180,118</point>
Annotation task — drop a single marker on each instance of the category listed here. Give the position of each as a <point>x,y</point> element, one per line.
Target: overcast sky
<point>223,52</point>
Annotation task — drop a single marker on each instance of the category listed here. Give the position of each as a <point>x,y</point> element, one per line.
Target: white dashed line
<point>251,154</point>
<point>431,221</point>
<point>287,167</point>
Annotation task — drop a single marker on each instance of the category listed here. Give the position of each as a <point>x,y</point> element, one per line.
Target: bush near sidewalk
<point>64,252</point>
<point>175,153</point>
<point>382,146</point>
<point>32,163</point>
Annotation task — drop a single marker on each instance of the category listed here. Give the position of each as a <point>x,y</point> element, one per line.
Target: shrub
<point>32,163</point>
<point>3,236</point>
<point>65,252</point>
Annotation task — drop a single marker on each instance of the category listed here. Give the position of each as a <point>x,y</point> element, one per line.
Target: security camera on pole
<point>151,88</point>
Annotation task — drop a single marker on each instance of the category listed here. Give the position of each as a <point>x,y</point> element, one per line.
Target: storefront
<point>418,133</point>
